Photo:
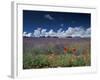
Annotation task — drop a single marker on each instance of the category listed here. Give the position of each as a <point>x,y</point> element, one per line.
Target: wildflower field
<point>56,52</point>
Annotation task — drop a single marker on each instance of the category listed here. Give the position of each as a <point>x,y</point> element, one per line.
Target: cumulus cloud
<point>60,33</point>
<point>48,16</point>
<point>27,34</point>
<point>37,32</point>
<point>87,33</point>
<point>44,32</point>
<point>78,32</point>
<point>51,33</point>
<point>75,32</point>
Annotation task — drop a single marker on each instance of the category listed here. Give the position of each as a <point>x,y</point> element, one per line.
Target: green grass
<point>54,60</point>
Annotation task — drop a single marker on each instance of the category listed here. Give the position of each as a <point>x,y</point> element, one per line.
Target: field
<point>56,52</point>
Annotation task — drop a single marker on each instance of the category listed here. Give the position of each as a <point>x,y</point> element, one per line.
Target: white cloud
<point>27,34</point>
<point>37,32</point>
<point>51,33</point>
<point>43,32</point>
<point>48,16</point>
<point>40,32</point>
<point>87,33</point>
<point>73,32</point>
<point>60,33</point>
<point>24,33</point>
<point>59,30</point>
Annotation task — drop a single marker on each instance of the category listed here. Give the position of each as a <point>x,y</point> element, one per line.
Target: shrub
<point>40,61</point>
<point>27,61</point>
<point>63,60</point>
<point>78,61</point>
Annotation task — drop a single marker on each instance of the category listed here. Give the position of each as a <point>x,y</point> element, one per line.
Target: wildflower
<point>65,49</point>
<point>74,50</point>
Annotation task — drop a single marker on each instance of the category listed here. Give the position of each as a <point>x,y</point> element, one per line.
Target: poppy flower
<point>65,49</point>
<point>74,49</point>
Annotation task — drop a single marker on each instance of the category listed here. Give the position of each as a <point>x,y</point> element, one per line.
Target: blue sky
<point>53,21</point>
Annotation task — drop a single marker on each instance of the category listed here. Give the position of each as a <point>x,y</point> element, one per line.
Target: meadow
<point>56,52</point>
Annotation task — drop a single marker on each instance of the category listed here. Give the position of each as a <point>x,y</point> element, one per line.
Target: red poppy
<point>74,49</point>
<point>65,49</point>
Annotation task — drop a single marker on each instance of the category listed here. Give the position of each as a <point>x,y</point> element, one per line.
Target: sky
<point>59,24</point>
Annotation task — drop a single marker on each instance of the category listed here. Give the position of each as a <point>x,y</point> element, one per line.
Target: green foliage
<point>64,60</point>
<point>79,61</point>
<point>40,61</point>
<point>27,61</point>
<point>47,58</point>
